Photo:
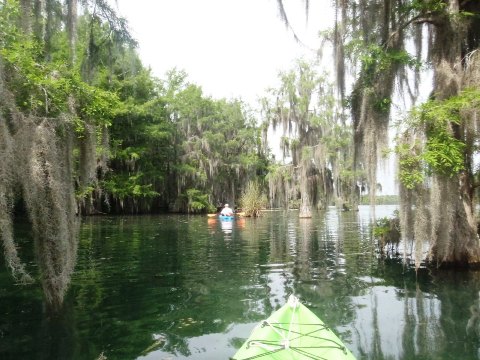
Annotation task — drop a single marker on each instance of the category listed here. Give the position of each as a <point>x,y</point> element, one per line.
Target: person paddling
<point>226,211</point>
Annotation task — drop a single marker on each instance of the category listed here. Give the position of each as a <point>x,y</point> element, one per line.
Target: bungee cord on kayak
<point>293,332</point>
<point>284,342</point>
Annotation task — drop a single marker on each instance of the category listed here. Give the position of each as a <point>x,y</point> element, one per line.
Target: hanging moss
<point>39,165</point>
<point>42,106</point>
<point>313,136</point>
<point>7,195</point>
<point>281,186</point>
<point>48,193</point>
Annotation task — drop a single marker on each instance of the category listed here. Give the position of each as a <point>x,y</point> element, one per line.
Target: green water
<point>179,287</point>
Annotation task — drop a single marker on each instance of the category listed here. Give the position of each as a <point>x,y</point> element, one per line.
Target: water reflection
<point>212,224</point>
<point>473,327</point>
<point>227,226</point>
<point>389,322</point>
<point>473,324</point>
<point>186,287</point>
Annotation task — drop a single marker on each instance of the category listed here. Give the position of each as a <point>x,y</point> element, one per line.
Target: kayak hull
<point>226,218</point>
<point>293,332</point>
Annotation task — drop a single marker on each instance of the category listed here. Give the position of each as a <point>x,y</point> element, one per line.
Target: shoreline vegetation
<point>381,200</point>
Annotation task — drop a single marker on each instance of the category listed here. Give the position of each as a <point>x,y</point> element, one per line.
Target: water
<point>179,287</point>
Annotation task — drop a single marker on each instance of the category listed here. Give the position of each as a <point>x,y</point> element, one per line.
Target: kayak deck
<point>293,332</point>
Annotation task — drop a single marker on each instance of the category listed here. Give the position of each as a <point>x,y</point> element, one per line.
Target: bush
<point>253,200</point>
<point>198,202</point>
<point>387,232</point>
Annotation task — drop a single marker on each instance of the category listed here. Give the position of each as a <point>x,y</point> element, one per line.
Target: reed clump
<point>253,200</point>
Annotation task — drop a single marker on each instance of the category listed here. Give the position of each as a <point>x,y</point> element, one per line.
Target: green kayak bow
<point>293,332</point>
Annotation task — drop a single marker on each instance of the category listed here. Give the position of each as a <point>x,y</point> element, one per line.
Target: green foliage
<point>122,186</point>
<point>198,202</point>
<point>387,231</point>
<point>383,105</point>
<point>279,173</point>
<point>97,104</point>
<point>165,136</point>
<point>450,110</point>
<point>45,88</point>
<point>376,59</point>
<point>294,204</point>
<point>382,227</point>
<point>38,87</point>
<point>381,200</point>
<point>141,136</point>
<point>426,5</point>
<point>180,139</point>
<point>443,152</point>
<point>85,192</point>
<point>411,165</point>
<point>216,143</point>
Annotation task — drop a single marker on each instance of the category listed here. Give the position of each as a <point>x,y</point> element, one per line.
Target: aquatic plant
<point>253,200</point>
<point>387,233</point>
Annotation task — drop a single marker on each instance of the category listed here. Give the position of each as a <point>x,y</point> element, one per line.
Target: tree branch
<point>428,17</point>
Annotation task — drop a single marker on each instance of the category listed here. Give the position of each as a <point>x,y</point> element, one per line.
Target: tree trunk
<point>456,209</point>
<point>72,28</point>
<point>26,16</point>
<point>39,23</point>
<point>49,27</point>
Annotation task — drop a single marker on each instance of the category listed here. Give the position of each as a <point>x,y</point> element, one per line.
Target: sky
<point>231,48</point>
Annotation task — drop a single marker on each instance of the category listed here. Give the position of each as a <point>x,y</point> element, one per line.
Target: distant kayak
<point>293,332</point>
<point>225,217</point>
